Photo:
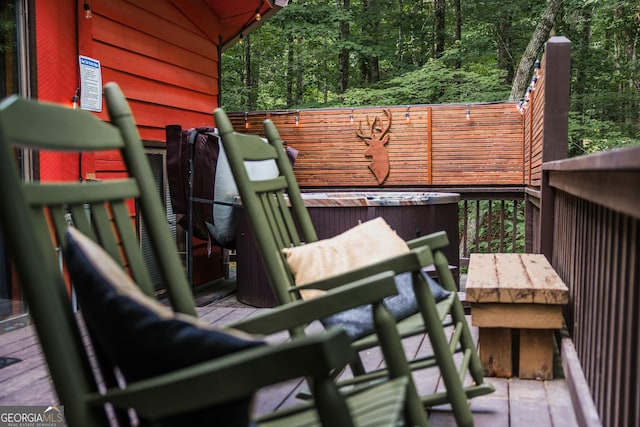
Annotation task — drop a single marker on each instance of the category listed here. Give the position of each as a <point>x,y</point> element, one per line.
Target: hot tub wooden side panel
<point>409,222</point>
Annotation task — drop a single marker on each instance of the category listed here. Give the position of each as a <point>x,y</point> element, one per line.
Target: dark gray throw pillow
<point>144,338</point>
<point>358,322</point>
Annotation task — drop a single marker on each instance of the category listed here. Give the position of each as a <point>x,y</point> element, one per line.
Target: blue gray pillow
<point>358,322</point>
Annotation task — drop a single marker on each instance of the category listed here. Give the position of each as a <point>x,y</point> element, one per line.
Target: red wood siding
<point>166,66</point>
<point>56,73</point>
<point>163,53</point>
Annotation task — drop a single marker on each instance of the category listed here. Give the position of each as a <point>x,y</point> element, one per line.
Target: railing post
<point>557,68</point>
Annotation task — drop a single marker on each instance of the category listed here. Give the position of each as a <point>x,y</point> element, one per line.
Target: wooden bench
<point>515,296</point>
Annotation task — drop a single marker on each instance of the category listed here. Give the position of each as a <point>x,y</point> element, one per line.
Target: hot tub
<point>411,214</point>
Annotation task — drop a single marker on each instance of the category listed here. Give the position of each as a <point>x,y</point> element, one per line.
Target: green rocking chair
<point>127,359</point>
<point>279,221</point>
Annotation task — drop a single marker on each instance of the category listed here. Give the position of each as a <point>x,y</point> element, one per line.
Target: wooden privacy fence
<point>426,145</point>
<point>546,127</point>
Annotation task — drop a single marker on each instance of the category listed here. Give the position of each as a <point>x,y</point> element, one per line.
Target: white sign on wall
<point>90,84</point>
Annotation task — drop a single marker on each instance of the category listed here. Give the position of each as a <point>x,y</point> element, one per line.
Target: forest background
<point>349,53</point>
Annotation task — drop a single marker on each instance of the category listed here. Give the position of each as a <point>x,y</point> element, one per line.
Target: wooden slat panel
<point>436,146</point>
<point>536,130</point>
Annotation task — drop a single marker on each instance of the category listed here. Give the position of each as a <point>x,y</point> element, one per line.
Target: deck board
<point>515,403</point>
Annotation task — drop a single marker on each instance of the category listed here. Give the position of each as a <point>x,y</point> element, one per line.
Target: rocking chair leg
<point>391,345</point>
<point>457,313</point>
<point>456,395</point>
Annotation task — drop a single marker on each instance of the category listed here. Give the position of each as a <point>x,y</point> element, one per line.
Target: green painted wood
<point>33,213</point>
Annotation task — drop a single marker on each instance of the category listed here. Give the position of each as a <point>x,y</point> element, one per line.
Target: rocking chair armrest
<point>234,376</point>
<point>369,290</point>
<point>413,260</point>
<point>437,240</point>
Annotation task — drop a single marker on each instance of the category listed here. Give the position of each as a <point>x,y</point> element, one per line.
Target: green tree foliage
<point>431,84</point>
<point>605,97</point>
<point>395,56</point>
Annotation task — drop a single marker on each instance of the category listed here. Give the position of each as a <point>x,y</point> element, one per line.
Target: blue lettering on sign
<point>89,62</point>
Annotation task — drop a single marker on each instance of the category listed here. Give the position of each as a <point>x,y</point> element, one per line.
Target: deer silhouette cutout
<point>376,140</point>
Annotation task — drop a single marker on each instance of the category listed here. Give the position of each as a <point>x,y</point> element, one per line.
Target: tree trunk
<point>290,73</point>
<point>626,42</point>
<point>505,45</point>
<point>248,83</point>
<point>439,22</point>
<point>458,17</point>
<point>365,72</point>
<point>299,71</point>
<point>369,64</point>
<point>325,73</point>
<point>540,36</point>
<point>400,34</point>
<point>583,56</point>
<point>343,55</point>
<point>458,36</point>
<point>374,67</point>
<point>579,88</point>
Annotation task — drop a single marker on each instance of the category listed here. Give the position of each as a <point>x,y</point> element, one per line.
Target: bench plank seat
<point>515,295</point>
<point>514,279</point>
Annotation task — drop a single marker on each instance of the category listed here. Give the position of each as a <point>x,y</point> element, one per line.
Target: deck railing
<point>596,249</point>
<point>491,219</point>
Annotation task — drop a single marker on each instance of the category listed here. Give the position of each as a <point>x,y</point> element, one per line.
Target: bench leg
<point>495,352</point>
<point>536,354</point>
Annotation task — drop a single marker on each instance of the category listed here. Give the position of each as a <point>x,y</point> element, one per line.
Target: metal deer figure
<point>376,140</point>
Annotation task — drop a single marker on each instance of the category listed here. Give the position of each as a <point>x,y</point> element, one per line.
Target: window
<point>14,54</point>
<point>9,48</point>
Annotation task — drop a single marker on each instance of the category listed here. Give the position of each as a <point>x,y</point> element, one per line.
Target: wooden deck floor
<point>515,403</point>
